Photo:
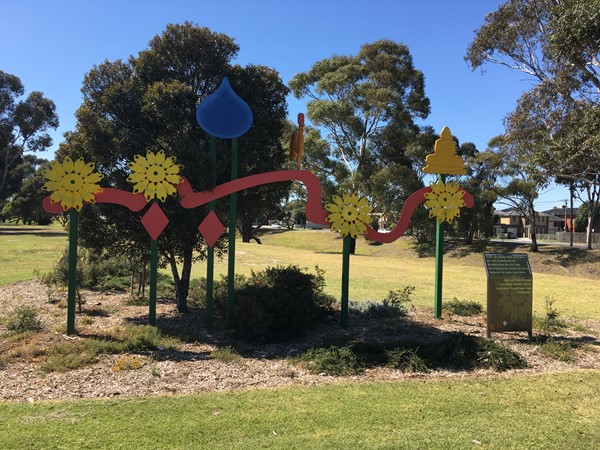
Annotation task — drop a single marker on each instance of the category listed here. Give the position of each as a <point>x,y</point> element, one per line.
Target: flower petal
<point>173,179</point>
<point>161,192</point>
<point>160,158</point>
<point>139,159</point>
<point>136,177</point>
<point>151,158</point>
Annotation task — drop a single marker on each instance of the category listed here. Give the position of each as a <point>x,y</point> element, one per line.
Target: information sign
<point>509,292</point>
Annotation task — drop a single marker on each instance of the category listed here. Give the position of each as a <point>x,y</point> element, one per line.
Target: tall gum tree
<point>556,43</point>
<point>354,98</point>
<point>24,125</point>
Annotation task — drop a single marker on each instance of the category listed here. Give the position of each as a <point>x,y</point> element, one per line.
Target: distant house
<point>511,223</point>
<point>564,214</point>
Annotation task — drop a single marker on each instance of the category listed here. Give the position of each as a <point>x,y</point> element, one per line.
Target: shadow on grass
<point>370,339</point>
<point>42,233</point>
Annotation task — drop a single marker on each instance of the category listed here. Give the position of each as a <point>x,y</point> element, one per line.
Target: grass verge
<point>561,411</point>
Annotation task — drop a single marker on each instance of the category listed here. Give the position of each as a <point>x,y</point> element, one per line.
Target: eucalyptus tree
<point>518,178</point>
<point>357,98</point>
<point>557,44</point>
<point>148,103</point>
<point>24,125</point>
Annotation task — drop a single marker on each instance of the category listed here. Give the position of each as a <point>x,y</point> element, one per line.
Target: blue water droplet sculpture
<point>224,114</point>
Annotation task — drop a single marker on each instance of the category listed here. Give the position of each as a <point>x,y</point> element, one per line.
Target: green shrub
<point>22,319</point>
<point>129,339</point>
<point>137,300</point>
<point>226,354</point>
<point>460,351</point>
<point>560,350</point>
<point>392,306</point>
<point>491,355</point>
<point>333,361</point>
<point>112,283</point>
<point>67,356</point>
<point>278,303</point>
<point>463,307</point>
<point>406,360</point>
<point>94,270</point>
<point>197,293</point>
<point>550,323</point>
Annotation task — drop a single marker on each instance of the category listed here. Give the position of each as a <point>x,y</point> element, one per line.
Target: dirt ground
<point>192,370</point>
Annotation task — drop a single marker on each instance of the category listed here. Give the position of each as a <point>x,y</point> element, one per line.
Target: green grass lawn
<point>557,411</point>
<point>374,270</point>
<point>26,250</point>
<point>545,411</point>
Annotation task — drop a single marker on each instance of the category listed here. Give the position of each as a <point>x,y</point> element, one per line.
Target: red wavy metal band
<point>133,202</point>
<point>415,199</point>
<point>314,211</point>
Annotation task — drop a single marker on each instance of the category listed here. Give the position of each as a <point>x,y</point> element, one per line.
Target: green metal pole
<point>153,271</point>
<point>210,257</point>
<point>439,264</point>
<point>345,278</point>
<point>231,247</point>
<point>72,285</point>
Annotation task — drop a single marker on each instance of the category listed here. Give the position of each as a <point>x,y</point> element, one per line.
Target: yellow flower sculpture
<point>349,215</point>
<point>444,201</point>
<point>155,175</point>
<point>72,183</point>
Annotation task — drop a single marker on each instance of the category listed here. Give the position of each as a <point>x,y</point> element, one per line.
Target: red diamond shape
<point>211,228</point>
<point>155,221</point>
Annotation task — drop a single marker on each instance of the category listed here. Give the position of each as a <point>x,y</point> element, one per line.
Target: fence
<point>578,238</point>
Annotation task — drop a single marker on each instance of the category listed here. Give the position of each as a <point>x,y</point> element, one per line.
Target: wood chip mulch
<point>191,370</point>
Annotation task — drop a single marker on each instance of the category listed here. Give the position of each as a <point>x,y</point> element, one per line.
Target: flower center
<point>72,182</point>
<point>156,174</point>
<point>350,213</point>
<point>445,200</point>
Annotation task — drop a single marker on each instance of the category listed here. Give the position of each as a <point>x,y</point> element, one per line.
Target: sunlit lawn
<point>375,269</point>
<point>26,251</point>
<point>555,411</point>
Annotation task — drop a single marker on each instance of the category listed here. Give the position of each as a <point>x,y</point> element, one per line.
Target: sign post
<point>509,292</point>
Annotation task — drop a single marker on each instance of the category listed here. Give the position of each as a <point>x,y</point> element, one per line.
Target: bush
<point>279,303</point>
<point>460,351</point>
<point>463,307</point>
<point>333,361</point>
<point>94,271</point>
<point>491,355</point>
<point>392,306</point>
<point>550,323</point>
<point>22,319</point>
<point>560,350</point>
<point>129,339</point>
<point>225,354</point>
<point>406,360</point>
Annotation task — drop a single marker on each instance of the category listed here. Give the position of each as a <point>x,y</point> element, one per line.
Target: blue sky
<point>51,45</point>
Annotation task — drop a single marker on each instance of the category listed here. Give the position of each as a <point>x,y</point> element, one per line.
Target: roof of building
<point>562,211</point>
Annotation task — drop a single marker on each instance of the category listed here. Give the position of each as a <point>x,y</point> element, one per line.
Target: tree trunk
<point>182,283</point>
<point>248,233</point>
<point>589,234</point>
<point>592,209</point>
<point>469,234</point>
<point>534,244</point>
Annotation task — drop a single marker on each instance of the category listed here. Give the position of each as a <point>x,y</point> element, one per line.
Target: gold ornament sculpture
<point>444,160</point>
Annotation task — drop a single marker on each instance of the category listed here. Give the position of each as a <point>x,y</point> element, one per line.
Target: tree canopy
<point>24,125</point>
<point>557,43</point>
<point>357,98</point>
<point>148,103</point>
